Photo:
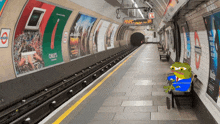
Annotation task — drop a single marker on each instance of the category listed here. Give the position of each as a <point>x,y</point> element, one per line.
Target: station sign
<point>151,15</point>
<point>138,22</point>
<point>4,37</point>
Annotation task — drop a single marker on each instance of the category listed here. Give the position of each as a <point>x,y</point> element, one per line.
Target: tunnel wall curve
<point>14,87</point>
<point>195,50</point>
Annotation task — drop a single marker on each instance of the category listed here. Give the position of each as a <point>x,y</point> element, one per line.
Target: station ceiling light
<point>135,4</point>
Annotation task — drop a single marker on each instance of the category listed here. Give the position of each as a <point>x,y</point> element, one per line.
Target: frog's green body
<point>180,70</point>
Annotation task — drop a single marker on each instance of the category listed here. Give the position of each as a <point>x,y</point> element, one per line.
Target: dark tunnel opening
<point>137,39</point>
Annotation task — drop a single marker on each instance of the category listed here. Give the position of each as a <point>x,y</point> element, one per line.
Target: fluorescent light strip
<point>135,4</point>
<point>148,4</point>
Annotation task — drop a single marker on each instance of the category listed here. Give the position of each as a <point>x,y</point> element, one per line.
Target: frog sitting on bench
<point>181,80</point>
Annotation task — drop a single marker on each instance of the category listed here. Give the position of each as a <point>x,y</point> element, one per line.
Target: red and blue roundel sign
<point>198,50</point>
<point>4,37</point>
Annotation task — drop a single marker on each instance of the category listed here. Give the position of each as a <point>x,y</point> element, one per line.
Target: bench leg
<point>172,101</point>
<point>168,102</point>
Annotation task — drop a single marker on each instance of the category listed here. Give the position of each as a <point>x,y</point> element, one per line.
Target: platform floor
<point>133,94</point>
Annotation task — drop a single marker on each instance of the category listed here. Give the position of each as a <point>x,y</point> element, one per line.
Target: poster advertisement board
<point>171,39</point>
<point>79,36</point>
<point>212,23</point>
<point>99,36</point>
<point>187,45</point>
<point>2,5</point>
<point>38,37</point>
<point>110,35</point>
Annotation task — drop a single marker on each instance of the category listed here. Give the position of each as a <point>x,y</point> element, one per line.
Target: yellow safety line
<point>64,115</point>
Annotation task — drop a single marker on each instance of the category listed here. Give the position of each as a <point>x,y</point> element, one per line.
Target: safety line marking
<point>65,114</point>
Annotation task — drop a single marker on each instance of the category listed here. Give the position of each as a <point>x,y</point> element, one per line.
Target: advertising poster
<point>38,36</point>
<point>79,35</point>
<point>2,5</point>
<point>186,37</point>
<point>171,39</point>
<point>99,36</point>
<point>212,23</point>
<point>110,35</point>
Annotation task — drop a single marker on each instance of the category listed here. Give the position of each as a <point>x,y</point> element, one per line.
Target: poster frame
<point>206,94</point>
<point>117,25</point>
<point>13,36</point>
<point>185,59</point>
<point>6,2</point>
<point>93,34</point>
<point>89,36</point>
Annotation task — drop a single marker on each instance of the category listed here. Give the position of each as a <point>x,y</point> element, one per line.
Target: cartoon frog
<point>181,80</point>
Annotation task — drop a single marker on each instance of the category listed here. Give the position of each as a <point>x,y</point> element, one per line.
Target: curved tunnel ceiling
<point>108,7</point>
<point>103,7</point>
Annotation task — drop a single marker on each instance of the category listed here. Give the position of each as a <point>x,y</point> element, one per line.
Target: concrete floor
<point>132,95</point>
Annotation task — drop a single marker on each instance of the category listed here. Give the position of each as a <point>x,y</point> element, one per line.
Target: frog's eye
<point>172,67</point>
<point>182,68</point>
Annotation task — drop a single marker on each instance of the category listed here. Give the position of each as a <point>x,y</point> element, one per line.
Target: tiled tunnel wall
<point>11,15</point>
<point>195,23</point>
<point>19,87</point>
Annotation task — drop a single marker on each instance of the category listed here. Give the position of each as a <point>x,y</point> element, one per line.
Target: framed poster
<point>99,36</point>
<point>79,36</point>
<point>2,6</point>
<point>187,44</point>
<point>110,35</point>
<point>38,37</point>
<point>212,23</point>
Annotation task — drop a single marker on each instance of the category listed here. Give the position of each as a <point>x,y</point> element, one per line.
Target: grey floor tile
<point>140,109</point>
<point>132,116</point>
<point>139,93</point>
<point>139,122</point>
<point>117,94</point>
<point>137,103</point>
<point>160,94</point>
<point>179,122</point>
<point>104,122</point>
<point>112,103</point>
<point>117,98</point>
<point>164,109</point>
<point>161,102</point>
<point>158,90</point>
<point>165,116</point>
<point>142,89</point>
<point>111,109</point>
<point>136,98</point>
<point>104,116</point>
<point>123,89</point>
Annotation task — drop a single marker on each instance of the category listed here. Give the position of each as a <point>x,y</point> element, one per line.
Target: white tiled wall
<point>195,22</point>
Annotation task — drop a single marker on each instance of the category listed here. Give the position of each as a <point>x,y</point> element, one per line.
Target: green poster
<point>52,52</point>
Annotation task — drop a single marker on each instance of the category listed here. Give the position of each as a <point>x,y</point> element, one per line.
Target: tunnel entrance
<point>137,39</point>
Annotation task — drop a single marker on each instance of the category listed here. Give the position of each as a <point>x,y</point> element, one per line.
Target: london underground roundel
<point>4,37</point>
